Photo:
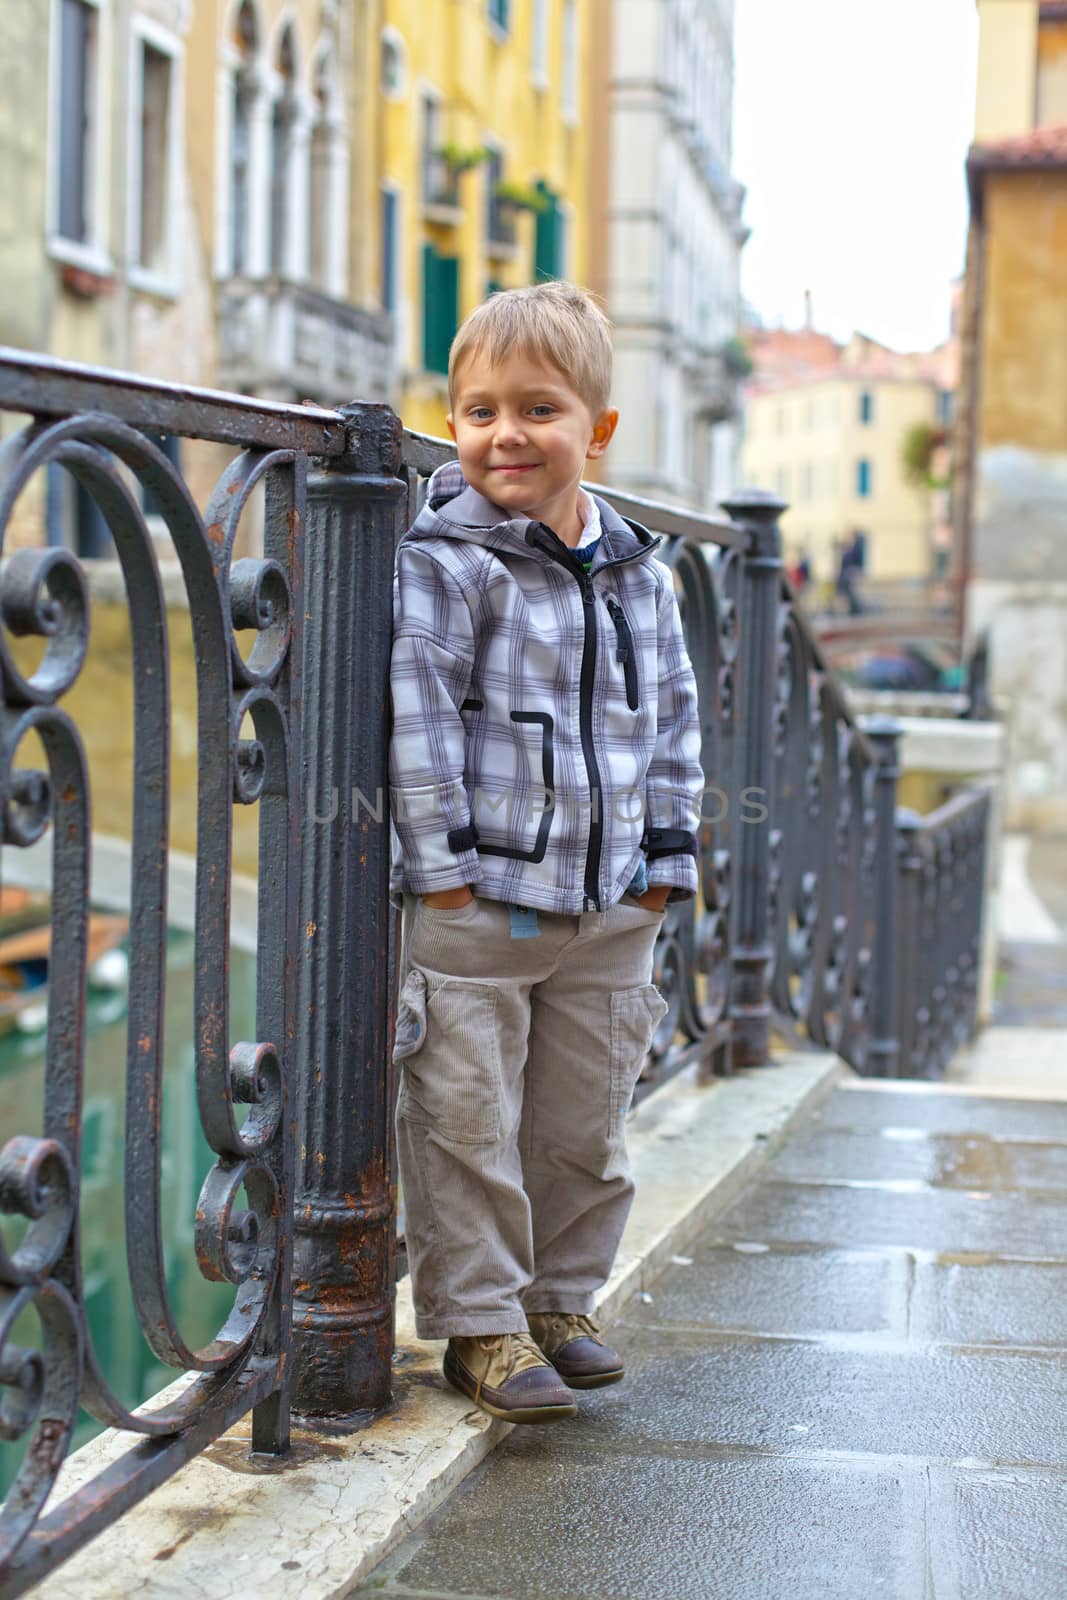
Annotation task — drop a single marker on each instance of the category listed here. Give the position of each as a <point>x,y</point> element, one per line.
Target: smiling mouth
<point>519,466</point>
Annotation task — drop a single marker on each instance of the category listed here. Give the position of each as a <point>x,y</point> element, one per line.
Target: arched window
<point>281,145</point>
<point>319,220</point>
<point>327,195</point>
<point>246,42</point>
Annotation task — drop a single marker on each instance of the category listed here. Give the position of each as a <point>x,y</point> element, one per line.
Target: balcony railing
<point>285,338</point>
<point>822,914</point>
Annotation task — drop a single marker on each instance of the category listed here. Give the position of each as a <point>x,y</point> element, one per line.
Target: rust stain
<point>216,533</point>
<point>311,930</point>
<point>144,1043</point>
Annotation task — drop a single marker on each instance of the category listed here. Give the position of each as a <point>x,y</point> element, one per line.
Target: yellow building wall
<point>488,93</point>
<point>805,444</point>
<point>1052,73</point>
<point>1024,328</point>
<point>1007,68</point>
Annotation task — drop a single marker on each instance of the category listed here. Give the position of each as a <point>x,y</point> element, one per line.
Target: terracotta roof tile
<point>1042,147</point>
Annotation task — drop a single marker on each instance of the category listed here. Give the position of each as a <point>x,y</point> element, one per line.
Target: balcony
<point>287,341</point>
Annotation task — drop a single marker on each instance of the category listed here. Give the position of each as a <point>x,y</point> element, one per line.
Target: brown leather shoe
<point>570,1342</point>
<point>506,1375</point>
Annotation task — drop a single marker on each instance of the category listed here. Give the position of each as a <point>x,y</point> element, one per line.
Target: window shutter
<point>440,307</point>
<point>548,236</point>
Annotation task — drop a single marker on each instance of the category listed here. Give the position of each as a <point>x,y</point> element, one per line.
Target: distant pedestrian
<point>849,569</point>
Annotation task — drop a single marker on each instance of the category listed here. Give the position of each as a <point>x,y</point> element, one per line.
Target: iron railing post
<point>753,941</point>
<point>908,937</point>
<point>344,1248</point>
<point>883,1050</point>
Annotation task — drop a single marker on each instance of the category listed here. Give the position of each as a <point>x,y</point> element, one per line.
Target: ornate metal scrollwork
<point>43,593</point>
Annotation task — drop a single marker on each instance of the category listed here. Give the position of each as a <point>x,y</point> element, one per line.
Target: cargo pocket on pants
<point>451,1057</point>
<point>635,1016</point>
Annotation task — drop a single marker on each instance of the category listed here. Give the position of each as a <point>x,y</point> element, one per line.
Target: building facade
<point>482,131</point>
<point>825,429</point>
<point>673,236</point>
<point>1011,493</point>
<point>184,192</point>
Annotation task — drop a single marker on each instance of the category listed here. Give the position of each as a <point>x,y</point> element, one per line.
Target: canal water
<point>198,1307</point>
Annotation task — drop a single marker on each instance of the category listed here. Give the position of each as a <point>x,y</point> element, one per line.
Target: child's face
<point>524,437</point>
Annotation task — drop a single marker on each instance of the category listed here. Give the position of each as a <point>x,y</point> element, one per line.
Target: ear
<point>603,429</point>
<point>451,424</point>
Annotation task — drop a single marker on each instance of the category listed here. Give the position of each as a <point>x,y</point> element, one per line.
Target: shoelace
<point>520,1352</point>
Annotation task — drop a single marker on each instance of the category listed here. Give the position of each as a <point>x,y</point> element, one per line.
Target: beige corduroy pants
<point>518,1057</point>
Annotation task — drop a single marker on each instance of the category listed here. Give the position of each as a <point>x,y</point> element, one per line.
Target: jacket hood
<point>453,510</point>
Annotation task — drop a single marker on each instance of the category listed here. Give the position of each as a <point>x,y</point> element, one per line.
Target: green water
<point>198,1307</point>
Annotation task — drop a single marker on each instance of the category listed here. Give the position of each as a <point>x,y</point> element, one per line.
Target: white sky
<point>852,120</point>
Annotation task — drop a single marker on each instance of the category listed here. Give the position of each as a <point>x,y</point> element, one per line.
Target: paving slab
<point>806,1292</point>
<point>690,1393</point>
<point>1027,1226</point>
<point>931,1107</point>
<point>543,1525</point>
<point>953,1160</point>
<point>1005,1533</point>
<point>988,1302</point>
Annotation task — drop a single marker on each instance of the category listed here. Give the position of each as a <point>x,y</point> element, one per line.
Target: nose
<point>509,430</point>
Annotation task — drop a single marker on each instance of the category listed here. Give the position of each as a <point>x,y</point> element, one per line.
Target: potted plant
<point>519,196</point>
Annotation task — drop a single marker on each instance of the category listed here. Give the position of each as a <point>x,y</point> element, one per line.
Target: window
<point>500,221</point>
<point>569,104</point>
<point>945,405</point>
<point>499,14</point>
<point>154,156</point>
<point>539,44</point>
<point>281,154</point>
<point>390,250</point>
<point>77,123</point>
<point>73,518</point>
<point>864,479</point>
<point>439,186</point>
<point>320,214</point>
<point>866,406</point>
<point>244,93</point>
<point>440,307</point>
<point>393,74</point>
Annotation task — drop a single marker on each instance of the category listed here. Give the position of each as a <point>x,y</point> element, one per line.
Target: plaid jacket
<point>545,735</point>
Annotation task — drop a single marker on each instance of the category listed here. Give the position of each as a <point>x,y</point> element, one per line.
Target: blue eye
<point>542,408</point>
<point>479,413</point>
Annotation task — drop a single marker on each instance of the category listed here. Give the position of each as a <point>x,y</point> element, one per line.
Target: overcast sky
<point>852,121</point>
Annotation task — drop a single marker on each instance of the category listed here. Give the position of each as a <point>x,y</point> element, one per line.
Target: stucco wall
<point>1007,65</point>
<point>23,143</point>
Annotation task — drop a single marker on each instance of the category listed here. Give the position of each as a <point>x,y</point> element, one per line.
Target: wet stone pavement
<point>854,1387</point>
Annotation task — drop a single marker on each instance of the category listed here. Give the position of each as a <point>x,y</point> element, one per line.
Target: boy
<point>545,781</point>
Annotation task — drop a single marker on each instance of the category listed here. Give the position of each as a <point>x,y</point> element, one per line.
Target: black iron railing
<point>822,915</point>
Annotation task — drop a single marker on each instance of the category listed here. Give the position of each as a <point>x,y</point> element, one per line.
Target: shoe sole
<point>593,1380</point>
<point>521,1414</point>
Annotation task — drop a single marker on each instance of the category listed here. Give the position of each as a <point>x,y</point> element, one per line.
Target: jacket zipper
<point>586,680</point>
<point>625,651</point>
<point>585,724</point>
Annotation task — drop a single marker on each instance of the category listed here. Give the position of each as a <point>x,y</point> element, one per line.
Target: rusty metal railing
<point>806,877</point>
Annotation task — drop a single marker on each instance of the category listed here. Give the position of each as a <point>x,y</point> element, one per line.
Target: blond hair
<point>556,322</point>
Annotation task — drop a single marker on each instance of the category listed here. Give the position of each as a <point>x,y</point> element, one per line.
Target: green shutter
<point>547,238</point>
<point>440,307</point>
